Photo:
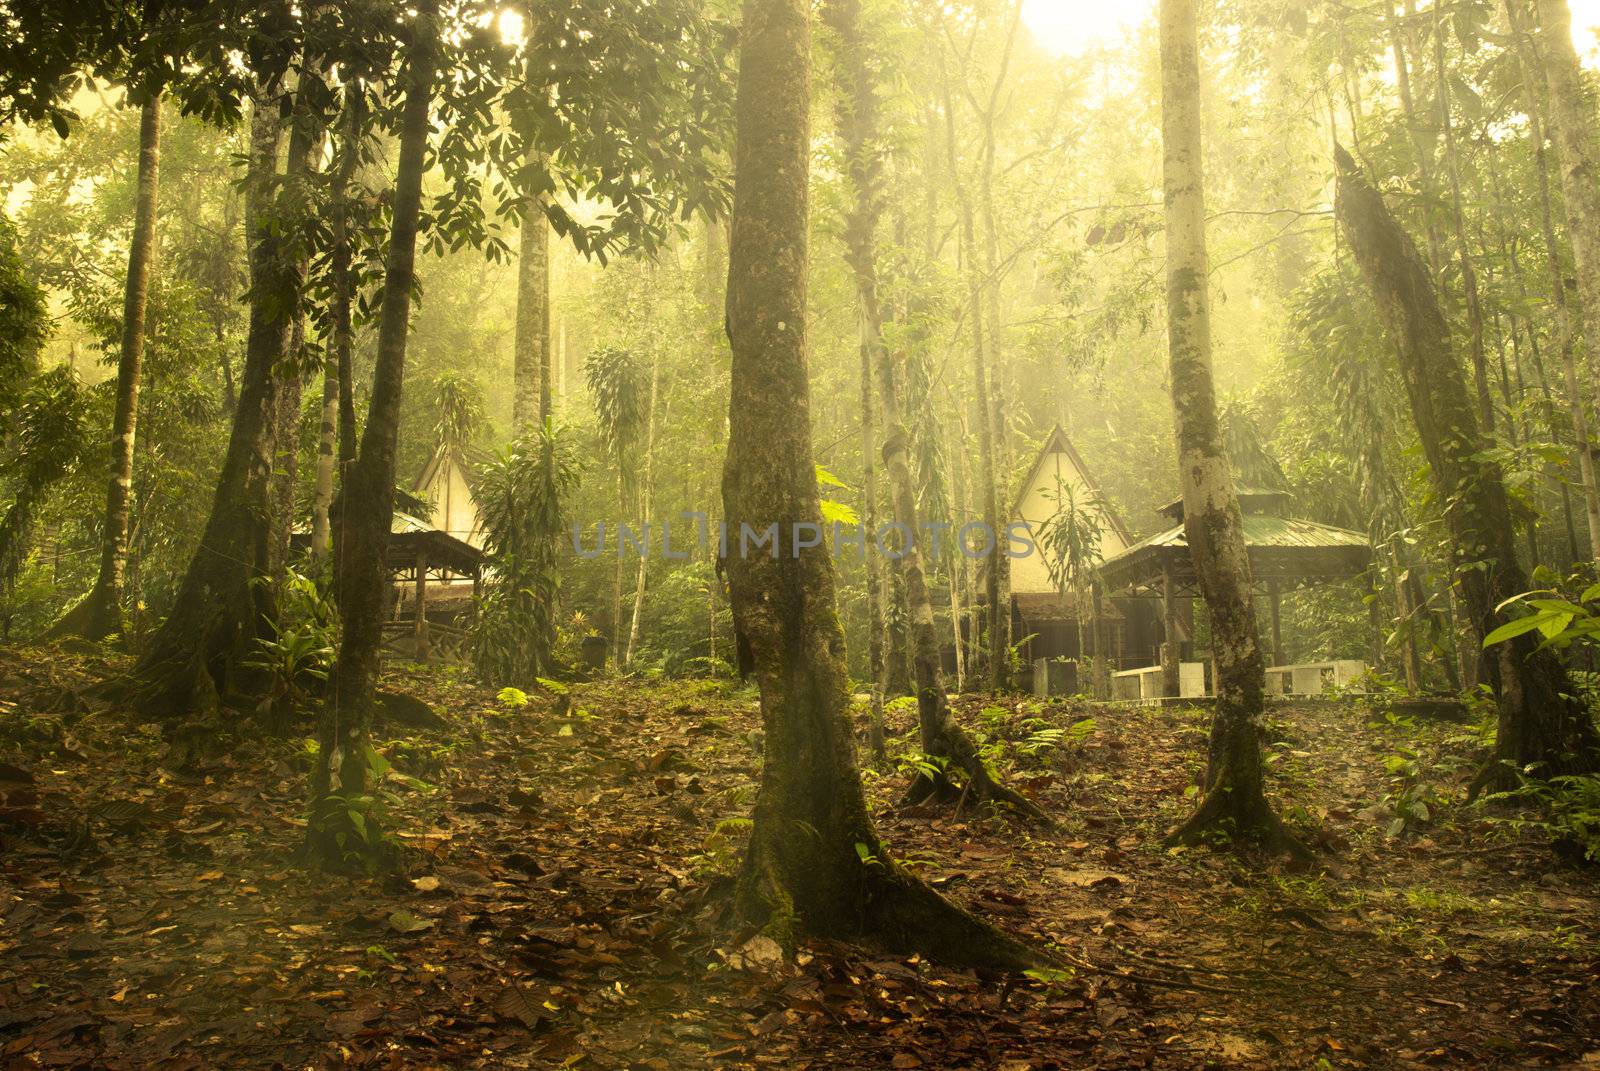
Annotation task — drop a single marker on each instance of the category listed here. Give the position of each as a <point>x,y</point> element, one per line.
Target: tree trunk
<point>999,617</point>
<point>815,865</point>
<point>341,772</point>
<point>1572,131</point>
<point>196,657</point>
<point>1419,144</point>
<point>327,446</point>
<point>1591,242</point>
<point>1469,274</point>
<point>286,440</point>
<point>941,735</point>
<point>530,395</point>
<point>342,302</point>
<point>100,614</point>
<point>645,496</point>
<point>1539,723</point>
<point>1235,798</point>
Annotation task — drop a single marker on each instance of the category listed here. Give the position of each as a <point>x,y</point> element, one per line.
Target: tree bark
<point>327,448</point>
<point>1235,799</point>
<point>530,396</point>
<point>341,772</point>
<point>100,613</point>
<point>342,302</point>
<point>1539,723</point>
<point>815,865</point>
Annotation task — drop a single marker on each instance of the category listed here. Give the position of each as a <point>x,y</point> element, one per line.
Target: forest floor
<point>565,902</point>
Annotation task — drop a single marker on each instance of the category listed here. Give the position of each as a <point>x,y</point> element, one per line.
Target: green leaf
<point>838,513</point>
<point>1512,629</point>
<point>406,922</point>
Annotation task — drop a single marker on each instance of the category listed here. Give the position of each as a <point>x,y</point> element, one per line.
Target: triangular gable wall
<point>1031,575</point>
<point>443,481</point>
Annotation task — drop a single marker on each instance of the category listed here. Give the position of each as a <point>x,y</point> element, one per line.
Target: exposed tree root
<point>883,905</point>
<point>1228,814</point>
<point>943,737</point>
<point>90,619</point>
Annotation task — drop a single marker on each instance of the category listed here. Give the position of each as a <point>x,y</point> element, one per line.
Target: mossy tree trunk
<point>100,614</point>
<point>342,770</point>
<point>530,390</point>
<point>197,655</point>
<point>1235,802</point>
<point>815,865</point>
<point>1540,724</point>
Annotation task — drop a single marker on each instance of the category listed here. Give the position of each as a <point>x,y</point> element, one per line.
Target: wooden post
<point>1275,600</point>
<point>422,604</point>
<point>1169,636</point>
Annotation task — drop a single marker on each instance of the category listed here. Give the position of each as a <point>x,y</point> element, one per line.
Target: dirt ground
<point>565,902</point>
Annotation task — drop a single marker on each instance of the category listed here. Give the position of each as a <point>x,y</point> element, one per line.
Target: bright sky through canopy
<point>1072,27</point>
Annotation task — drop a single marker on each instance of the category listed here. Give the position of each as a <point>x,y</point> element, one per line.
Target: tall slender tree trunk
<point>100,614</point>
<point>992,275</point>
<point>342,303</point>
<point>1539,723</point>
<point>1469,272</point>
<point>1398,36</point>
<point>998,628</point>
<point>1559,302</point>
<point>646,478</point>
<point>1235,797</point>
<point>530,395</point>
<point>344,729</point>
<point>197,656</point>
<point>286,440</point>
<point>815,865</point>
<point>327,447</point>
<point>1571,123</point>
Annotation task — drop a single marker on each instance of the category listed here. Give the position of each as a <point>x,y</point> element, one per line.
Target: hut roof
<point>1284,551</point>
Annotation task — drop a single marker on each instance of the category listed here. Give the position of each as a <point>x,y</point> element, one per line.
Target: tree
<point>942,737</point>
<point>814,864</point>
<point>998,627</point>
<point>51,436</point>
<point>617,383</point>
<point>1560,306</point>
<point>100,614</point>
<point>24,318</point>
<point>340,779</point>
<point>1235,799</point>
<point>520,495</point>
<point>198,655</point>
<point>857,115</point>
<point>1573,132</point>
<point>530,376</point>
<point>1540,724</point>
